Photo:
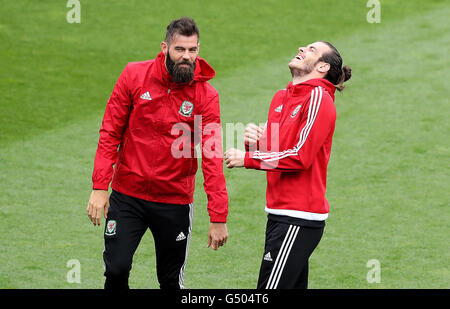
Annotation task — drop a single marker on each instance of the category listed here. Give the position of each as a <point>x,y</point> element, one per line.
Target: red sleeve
<point>212,161</point>
<point>313,132</point>
<point>113,124</point>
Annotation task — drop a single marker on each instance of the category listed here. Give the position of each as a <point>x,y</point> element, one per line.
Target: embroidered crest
<point>186,108</point>
<point>111,227</point>
<point>296,111</point>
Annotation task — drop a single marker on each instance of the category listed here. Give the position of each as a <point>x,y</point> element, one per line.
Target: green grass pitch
<point>388,177</point>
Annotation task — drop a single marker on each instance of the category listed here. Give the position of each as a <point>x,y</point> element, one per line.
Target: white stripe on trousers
<point>191,218</point>
<point>282,257</point>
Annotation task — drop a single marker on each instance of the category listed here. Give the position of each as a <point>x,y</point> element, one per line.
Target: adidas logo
<point>181,236</point>
<point>267,257</point>
<point>279,108</point>
<point>146,96</point>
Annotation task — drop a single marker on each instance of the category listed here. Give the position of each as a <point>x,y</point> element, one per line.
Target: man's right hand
<point>252,134</point>
<point>98,202</point>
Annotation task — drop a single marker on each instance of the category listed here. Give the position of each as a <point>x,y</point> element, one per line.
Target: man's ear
<point>164,47</point>
<point>323,67</point>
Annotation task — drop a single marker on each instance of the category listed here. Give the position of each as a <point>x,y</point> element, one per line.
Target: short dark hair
<point>337,74</point>
<point>184,26</point>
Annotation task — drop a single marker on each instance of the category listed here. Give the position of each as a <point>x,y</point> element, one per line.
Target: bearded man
<point>153,105</point>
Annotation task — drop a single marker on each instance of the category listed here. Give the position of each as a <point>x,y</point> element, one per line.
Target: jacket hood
<point>203,71</point>
<point>299,89</point>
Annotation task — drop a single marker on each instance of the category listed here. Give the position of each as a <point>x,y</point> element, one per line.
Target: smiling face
<point>181,53</point>
<point>307,60</point>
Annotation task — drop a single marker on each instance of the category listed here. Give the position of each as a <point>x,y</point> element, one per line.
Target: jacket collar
<point>307,86</point>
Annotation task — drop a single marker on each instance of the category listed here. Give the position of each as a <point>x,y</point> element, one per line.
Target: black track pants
<point>128,219</point>
<point>286,254</point>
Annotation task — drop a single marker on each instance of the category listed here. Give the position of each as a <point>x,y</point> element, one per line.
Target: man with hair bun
<point>294,148</point>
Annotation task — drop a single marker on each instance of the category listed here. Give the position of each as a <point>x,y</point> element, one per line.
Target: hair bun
<point>347,72</point>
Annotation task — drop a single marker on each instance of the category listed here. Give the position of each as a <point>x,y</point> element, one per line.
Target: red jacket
<point>301,121</point>
<point>148,133</point>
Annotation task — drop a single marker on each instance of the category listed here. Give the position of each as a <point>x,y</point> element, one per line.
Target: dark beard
<point>180,74</point>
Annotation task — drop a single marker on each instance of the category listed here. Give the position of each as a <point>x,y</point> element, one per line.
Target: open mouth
<point>298,57</point>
